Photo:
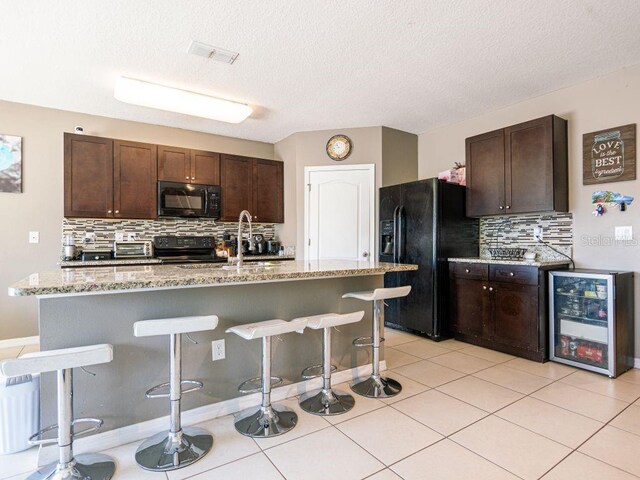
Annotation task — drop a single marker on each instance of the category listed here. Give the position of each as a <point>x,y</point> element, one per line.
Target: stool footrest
<point>365,341</point>
<point>254,385</point>
<point>315,371</point>
<point>153,392</point>
<point>36,439</point>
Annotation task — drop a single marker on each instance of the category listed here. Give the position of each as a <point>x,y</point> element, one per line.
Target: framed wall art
<point>10,164</point>
<point>609,155</point>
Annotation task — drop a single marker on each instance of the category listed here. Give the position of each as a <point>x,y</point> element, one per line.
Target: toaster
<point>133,249</point>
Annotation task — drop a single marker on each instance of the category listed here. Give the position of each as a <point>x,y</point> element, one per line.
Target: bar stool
<point>88,466</point>
<point>179,446</point>
<point>377,386</point>
<point>327,401</point>
<point>267,421</point>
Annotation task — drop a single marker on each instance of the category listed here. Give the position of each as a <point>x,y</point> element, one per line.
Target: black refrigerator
<point>424,223</point>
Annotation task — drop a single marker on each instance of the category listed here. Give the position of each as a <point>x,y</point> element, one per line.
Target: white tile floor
<point>464,413</point>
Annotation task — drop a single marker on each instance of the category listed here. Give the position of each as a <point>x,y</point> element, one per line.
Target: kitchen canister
<point>19,412</point>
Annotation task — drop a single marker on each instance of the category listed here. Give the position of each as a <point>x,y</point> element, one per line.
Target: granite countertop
<point>528,263</point>
<point>152,261</point>
<point>72,281</point>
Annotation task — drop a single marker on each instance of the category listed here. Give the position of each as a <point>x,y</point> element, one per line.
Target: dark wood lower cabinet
<point>502,307</point>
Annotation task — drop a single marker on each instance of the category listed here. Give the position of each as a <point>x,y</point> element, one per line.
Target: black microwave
<point>188,200</point>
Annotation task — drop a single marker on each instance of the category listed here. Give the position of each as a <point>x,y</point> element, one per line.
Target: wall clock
<point>339,147</point>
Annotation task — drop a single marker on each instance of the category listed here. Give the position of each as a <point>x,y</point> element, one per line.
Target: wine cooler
<point>591,313</point>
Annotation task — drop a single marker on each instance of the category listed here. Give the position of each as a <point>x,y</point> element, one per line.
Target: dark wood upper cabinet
<point>135,178</point>
<point>268,191</point>
<point>174,164</point>
<point>519,169</point>
<point>88,176</point>
<point>236,175</point>
<point>252,184</point>
<point>485,174</point>
<point>205,167</point>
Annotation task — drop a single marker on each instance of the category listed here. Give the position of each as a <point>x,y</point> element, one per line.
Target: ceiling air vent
<point>214,53</point>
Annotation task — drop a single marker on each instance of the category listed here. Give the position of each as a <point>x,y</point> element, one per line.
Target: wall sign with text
<point>609,155</point>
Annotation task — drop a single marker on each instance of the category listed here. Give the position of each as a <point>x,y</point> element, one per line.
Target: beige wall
<point>40,207</point>
<point>305,149</point>
<point>399,156</point>
<point>605,102</point>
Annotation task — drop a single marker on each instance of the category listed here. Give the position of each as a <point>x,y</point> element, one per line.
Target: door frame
<point>371,168</point>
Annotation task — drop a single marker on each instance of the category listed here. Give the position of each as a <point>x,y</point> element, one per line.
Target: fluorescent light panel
<point>147,94</point>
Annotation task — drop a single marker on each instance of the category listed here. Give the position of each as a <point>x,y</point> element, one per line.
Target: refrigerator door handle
<point>395,234</point>
<point>400,233</point>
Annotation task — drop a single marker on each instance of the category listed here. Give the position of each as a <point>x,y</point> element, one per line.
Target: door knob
<point>365,254</point>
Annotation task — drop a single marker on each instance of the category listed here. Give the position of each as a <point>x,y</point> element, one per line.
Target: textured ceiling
<point>313,64</point>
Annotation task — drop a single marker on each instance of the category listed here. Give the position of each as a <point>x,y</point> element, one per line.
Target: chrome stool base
<point>377,387</point>
<point>166,451</point>
<point>267,422</point>
<point>327,402</point>
<point>90,466</point>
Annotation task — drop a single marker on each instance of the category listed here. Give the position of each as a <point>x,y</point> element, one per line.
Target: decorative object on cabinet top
<point>10,164</point>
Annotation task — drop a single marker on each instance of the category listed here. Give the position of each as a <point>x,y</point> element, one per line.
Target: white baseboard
<point>19,342</point>
<point>139,431</point>
<point>636,363</point>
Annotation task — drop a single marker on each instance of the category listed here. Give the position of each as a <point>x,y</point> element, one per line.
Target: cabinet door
<point>515,315</point>
<point>268,191</point>
<point>235,179</point>
<point>485,174</point>
<point>471,307</point>
<point>529,166</point>
<point>174,164</point>
<point>135,177</point>
<point>205,167</point>
<point>88,176</point>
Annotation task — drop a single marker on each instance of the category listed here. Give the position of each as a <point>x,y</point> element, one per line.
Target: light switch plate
<point>624,233</point>
<point>34,237</point>
<point>537,234</point>
<point>119,236</point>
<point>89,237</point>
<point>131,237</point>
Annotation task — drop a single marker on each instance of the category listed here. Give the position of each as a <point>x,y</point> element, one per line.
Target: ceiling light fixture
<point>147,94</point>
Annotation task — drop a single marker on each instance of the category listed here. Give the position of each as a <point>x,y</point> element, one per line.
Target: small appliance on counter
<point>69,247</point>
<point>91,255</point>
<point>259,246</point>
<point>273,247</point>
<point>592,320</point>
<point>189,249</point>
<point>133,249</point>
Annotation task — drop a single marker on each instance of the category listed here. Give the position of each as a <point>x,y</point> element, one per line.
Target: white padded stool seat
<point>53,360</point>
<point>328,320</point>
<point>379,294</point>
<point>268,328</point>
<point>169,326</point>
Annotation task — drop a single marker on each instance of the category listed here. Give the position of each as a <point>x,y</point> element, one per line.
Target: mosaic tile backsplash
<point>105,230</point>
<point>517,232</point>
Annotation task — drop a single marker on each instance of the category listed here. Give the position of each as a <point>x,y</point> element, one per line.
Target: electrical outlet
<point>217,347</point>
<point>89,237</point>
<point>34,237</point>
<point>131,237</point>
<point>624,233</point>
<point>537,234</point>
<point>119,237</point>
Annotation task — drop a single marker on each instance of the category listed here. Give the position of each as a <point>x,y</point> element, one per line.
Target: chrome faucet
<point>247,215</point>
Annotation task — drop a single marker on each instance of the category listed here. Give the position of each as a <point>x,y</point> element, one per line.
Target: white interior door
<point>340,209</point>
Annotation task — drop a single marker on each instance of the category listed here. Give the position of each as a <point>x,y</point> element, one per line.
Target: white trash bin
<point>19,412</point>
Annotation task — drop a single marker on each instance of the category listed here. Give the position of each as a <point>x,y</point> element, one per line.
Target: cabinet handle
<point>511,274</point>
<point>484,287</point>
<point>193,178</point>
<point>491,289</point>
<point>186,178</point>
<point>109,211</point>
<point>467,270</point>
<point>117,211</point>
<point>508,207</point>
<point>501,207</point>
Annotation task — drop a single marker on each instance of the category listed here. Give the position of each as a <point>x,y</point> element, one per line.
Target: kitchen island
<point>83,306</point>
